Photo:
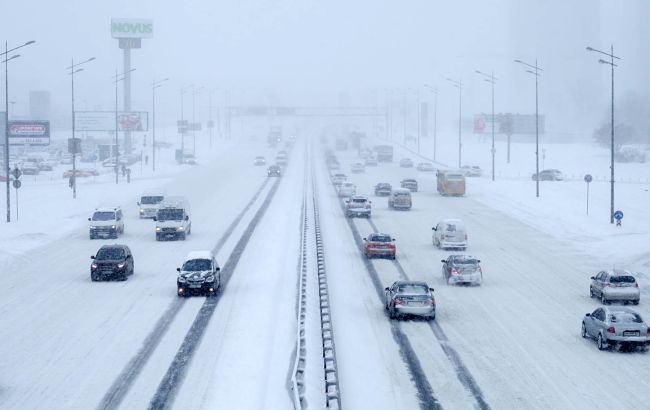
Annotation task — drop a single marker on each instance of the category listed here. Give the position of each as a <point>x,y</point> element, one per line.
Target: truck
<point>173,219</point>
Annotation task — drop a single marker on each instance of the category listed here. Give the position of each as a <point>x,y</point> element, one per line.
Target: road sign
<point>618,215</point>
<point>17,183</point>
<point>588,178</point>
<point>74,145</point>
<point>16,173</point>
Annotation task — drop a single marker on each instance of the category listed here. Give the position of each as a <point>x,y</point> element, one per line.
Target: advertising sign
<point>29,133</point>
<point>105,121</point>
<point>131,28</point>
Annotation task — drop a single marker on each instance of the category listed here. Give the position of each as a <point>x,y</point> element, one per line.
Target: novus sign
<point>131,28</point>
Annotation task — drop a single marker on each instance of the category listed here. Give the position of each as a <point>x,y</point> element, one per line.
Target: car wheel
<point>433,317</point>
<point>591,292</point>
<point>391,313</point>
<point>603,299</point>
<point>602,345</point>
<point>93,277</point>
<point>636,302</point>
<point>583,332</point>
<point>182,237</point>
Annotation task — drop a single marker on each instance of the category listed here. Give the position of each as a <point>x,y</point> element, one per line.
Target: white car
<point>425,167</point>
<point>347,189</point>
<point>450,234</point>
<point>357,168</point>
<point>106,223</point>
<point>358,205</point>
<point>471,170</point>
<point>339,179</point>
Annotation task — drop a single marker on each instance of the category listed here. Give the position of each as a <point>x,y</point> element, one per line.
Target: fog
<point>290,52</point>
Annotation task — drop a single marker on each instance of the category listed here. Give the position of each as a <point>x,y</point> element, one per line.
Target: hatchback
<point>380,245</point>
<point>410,298</point>
<point>458,269</point>
<point>615,285</point>
<point>616,325</point>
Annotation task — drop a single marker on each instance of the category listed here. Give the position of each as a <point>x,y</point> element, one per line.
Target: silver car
<point>616,325</point>
<point>410,298</point>
<point>458,269</point>
<point>615,285</point>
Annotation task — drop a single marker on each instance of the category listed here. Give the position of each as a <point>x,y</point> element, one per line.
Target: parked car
<point>338,179</point>
<point>471,170</point>
<point>358,205</point>
<point>383,189</point>
<point>347,189</point>
<point>199,274</point>
<point>112,262</point>
<point>357,168</point>
<point>259,160</point>
<point>380,245</point>
<point>410,298</point>
<point>370,162</point>
<point>450,233</point>
<point>616,325</point>
<point>274,171</point>
<point>406,163</point>
<point>549,175</point>
<point>462,269</point>
<point>106,223</point>
<point>615,285</point>
<point>400,198</point>
<point>29,168</point>
<point>410,184</point>
<point>425,167</point>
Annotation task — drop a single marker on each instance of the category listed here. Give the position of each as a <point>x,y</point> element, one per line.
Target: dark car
<point>410,184</point>
<point>200,274</point>
<point>274,171</point>
<point>383,189</point>
<point>549,175</point>
<point>112,262</point>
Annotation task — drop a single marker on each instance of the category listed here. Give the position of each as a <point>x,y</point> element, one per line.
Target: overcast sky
<point>307,51</point>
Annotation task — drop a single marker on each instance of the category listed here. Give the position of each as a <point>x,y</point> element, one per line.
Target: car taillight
<point>611,329</point>
<point>648,331</point>
<point>442,236</point>
<point>399,301</point>
<point>465,236</point>
<point>430,302</point>
<point>453,271</point>
<point>636,285</point>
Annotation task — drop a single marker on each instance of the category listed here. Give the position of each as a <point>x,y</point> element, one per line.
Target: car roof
<point>114,246</point>
<point>401,191</point>
<point>463,257</point>
<point>452,221</point>
<point>619,272</point>
<point>379,234</point>
<point>107,209</point>
<point>615,309</point>
<point>411,282</point>
<point>199,255</point>
<point>359,197</point>
<point>409,179</point>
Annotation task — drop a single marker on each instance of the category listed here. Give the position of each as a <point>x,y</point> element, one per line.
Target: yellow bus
<point>451,183</point>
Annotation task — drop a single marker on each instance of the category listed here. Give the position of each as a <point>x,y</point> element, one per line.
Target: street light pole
<point>156,84</point>
<point>117,147</point>
<point>459,84</point>
<point>536,74</point>
<point>7,168</point>
<point>419,114</point>
<point>612,65</point>
<point>492,80</point>
<point>434,90</point>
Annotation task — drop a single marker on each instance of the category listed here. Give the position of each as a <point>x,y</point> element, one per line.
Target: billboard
<point>508,123</point>
<point>131,28</point>
<point>29,133</point>
<point>105,121</point>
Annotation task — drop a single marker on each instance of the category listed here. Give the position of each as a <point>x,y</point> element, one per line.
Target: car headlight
<point>142,211</point>
<point>92,227</point>
<point>121,265</point>
<point>182,279</point>
<point>157,229</point>
<point>113,226</point>
<point>93,266</point>
<point>209,278</point>
<point>180,228</point>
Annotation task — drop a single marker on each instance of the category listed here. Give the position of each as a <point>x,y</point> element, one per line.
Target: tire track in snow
<point>122,384</point>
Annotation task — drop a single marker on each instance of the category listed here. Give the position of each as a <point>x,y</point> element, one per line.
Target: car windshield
<point>465,261</point>
<point>194,265</point>
<point>622,279</point>
<point>413,289</point>
<point>450,228</point>
<point>402,194</point>
<point>170,214</point>
<point>104,216</point>
<point>380,238</point>
<point>454,177</point>
<point>625,317</point>
<point>151,200</point>
<point>105,254</point>
<point>359,200</point>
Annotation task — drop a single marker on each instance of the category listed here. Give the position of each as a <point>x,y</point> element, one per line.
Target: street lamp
<point>459,84</point>
<point>492,80</point>
<point>6,61</point>
<point>182,127</point>
<point>612,65</point>
<point>73,69</point>
<point>434,90</point>
<point>154,85</point>
<point>536,74</point>
<point>118,77</point>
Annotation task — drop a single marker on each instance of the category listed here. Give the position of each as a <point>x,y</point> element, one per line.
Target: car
<point>426,167</point>
<point>400,198</point>
<point>81,173</point>
<point>112,262</point>
<point>173,219</point>
<point>383,189</point>
<point>338,179</point>
<point>406,163</point>
<point>259,161</point>
<point>106,223</point>
<point>358,205</point>
<point>616,325</point>
<point>274,171</point>
<point>380,245</point>
<point>410,184</point>
<point>347,189</point>
<point>471,170</point>
<point>462,269</point>
<point>549,175</point>
<point>450,234</point>
<point>413,298</point>
<point>199,274</point>
<point>357,168</point>
<point>370,162</point>
<point>29,168</point>
<point>149,203</point>
<point>281,159</point>
<point>45,166</point>
<point>615,285</point>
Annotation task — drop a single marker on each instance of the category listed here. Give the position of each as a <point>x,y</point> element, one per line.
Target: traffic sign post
<point>17,184</point>
<point>618,215</point>
<point>588,179</point>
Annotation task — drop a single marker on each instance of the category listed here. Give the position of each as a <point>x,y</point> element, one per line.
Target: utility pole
<point>459,84</point>
<point>492,80</point>
<point>536,73</point>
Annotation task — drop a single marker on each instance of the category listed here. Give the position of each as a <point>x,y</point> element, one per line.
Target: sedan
<point>410,298</point>
<point>425,167</point>
<point>274,171</point>
<point>406,163</point>
<point>618,325</point>
<point>259,161</point>
<point>383,189</point>
<point>615,285</point>
<point>379,245</point>
<point>549,175</point>
<point>462,269</point>
<point>410,184</point>
<point>347,189</point>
